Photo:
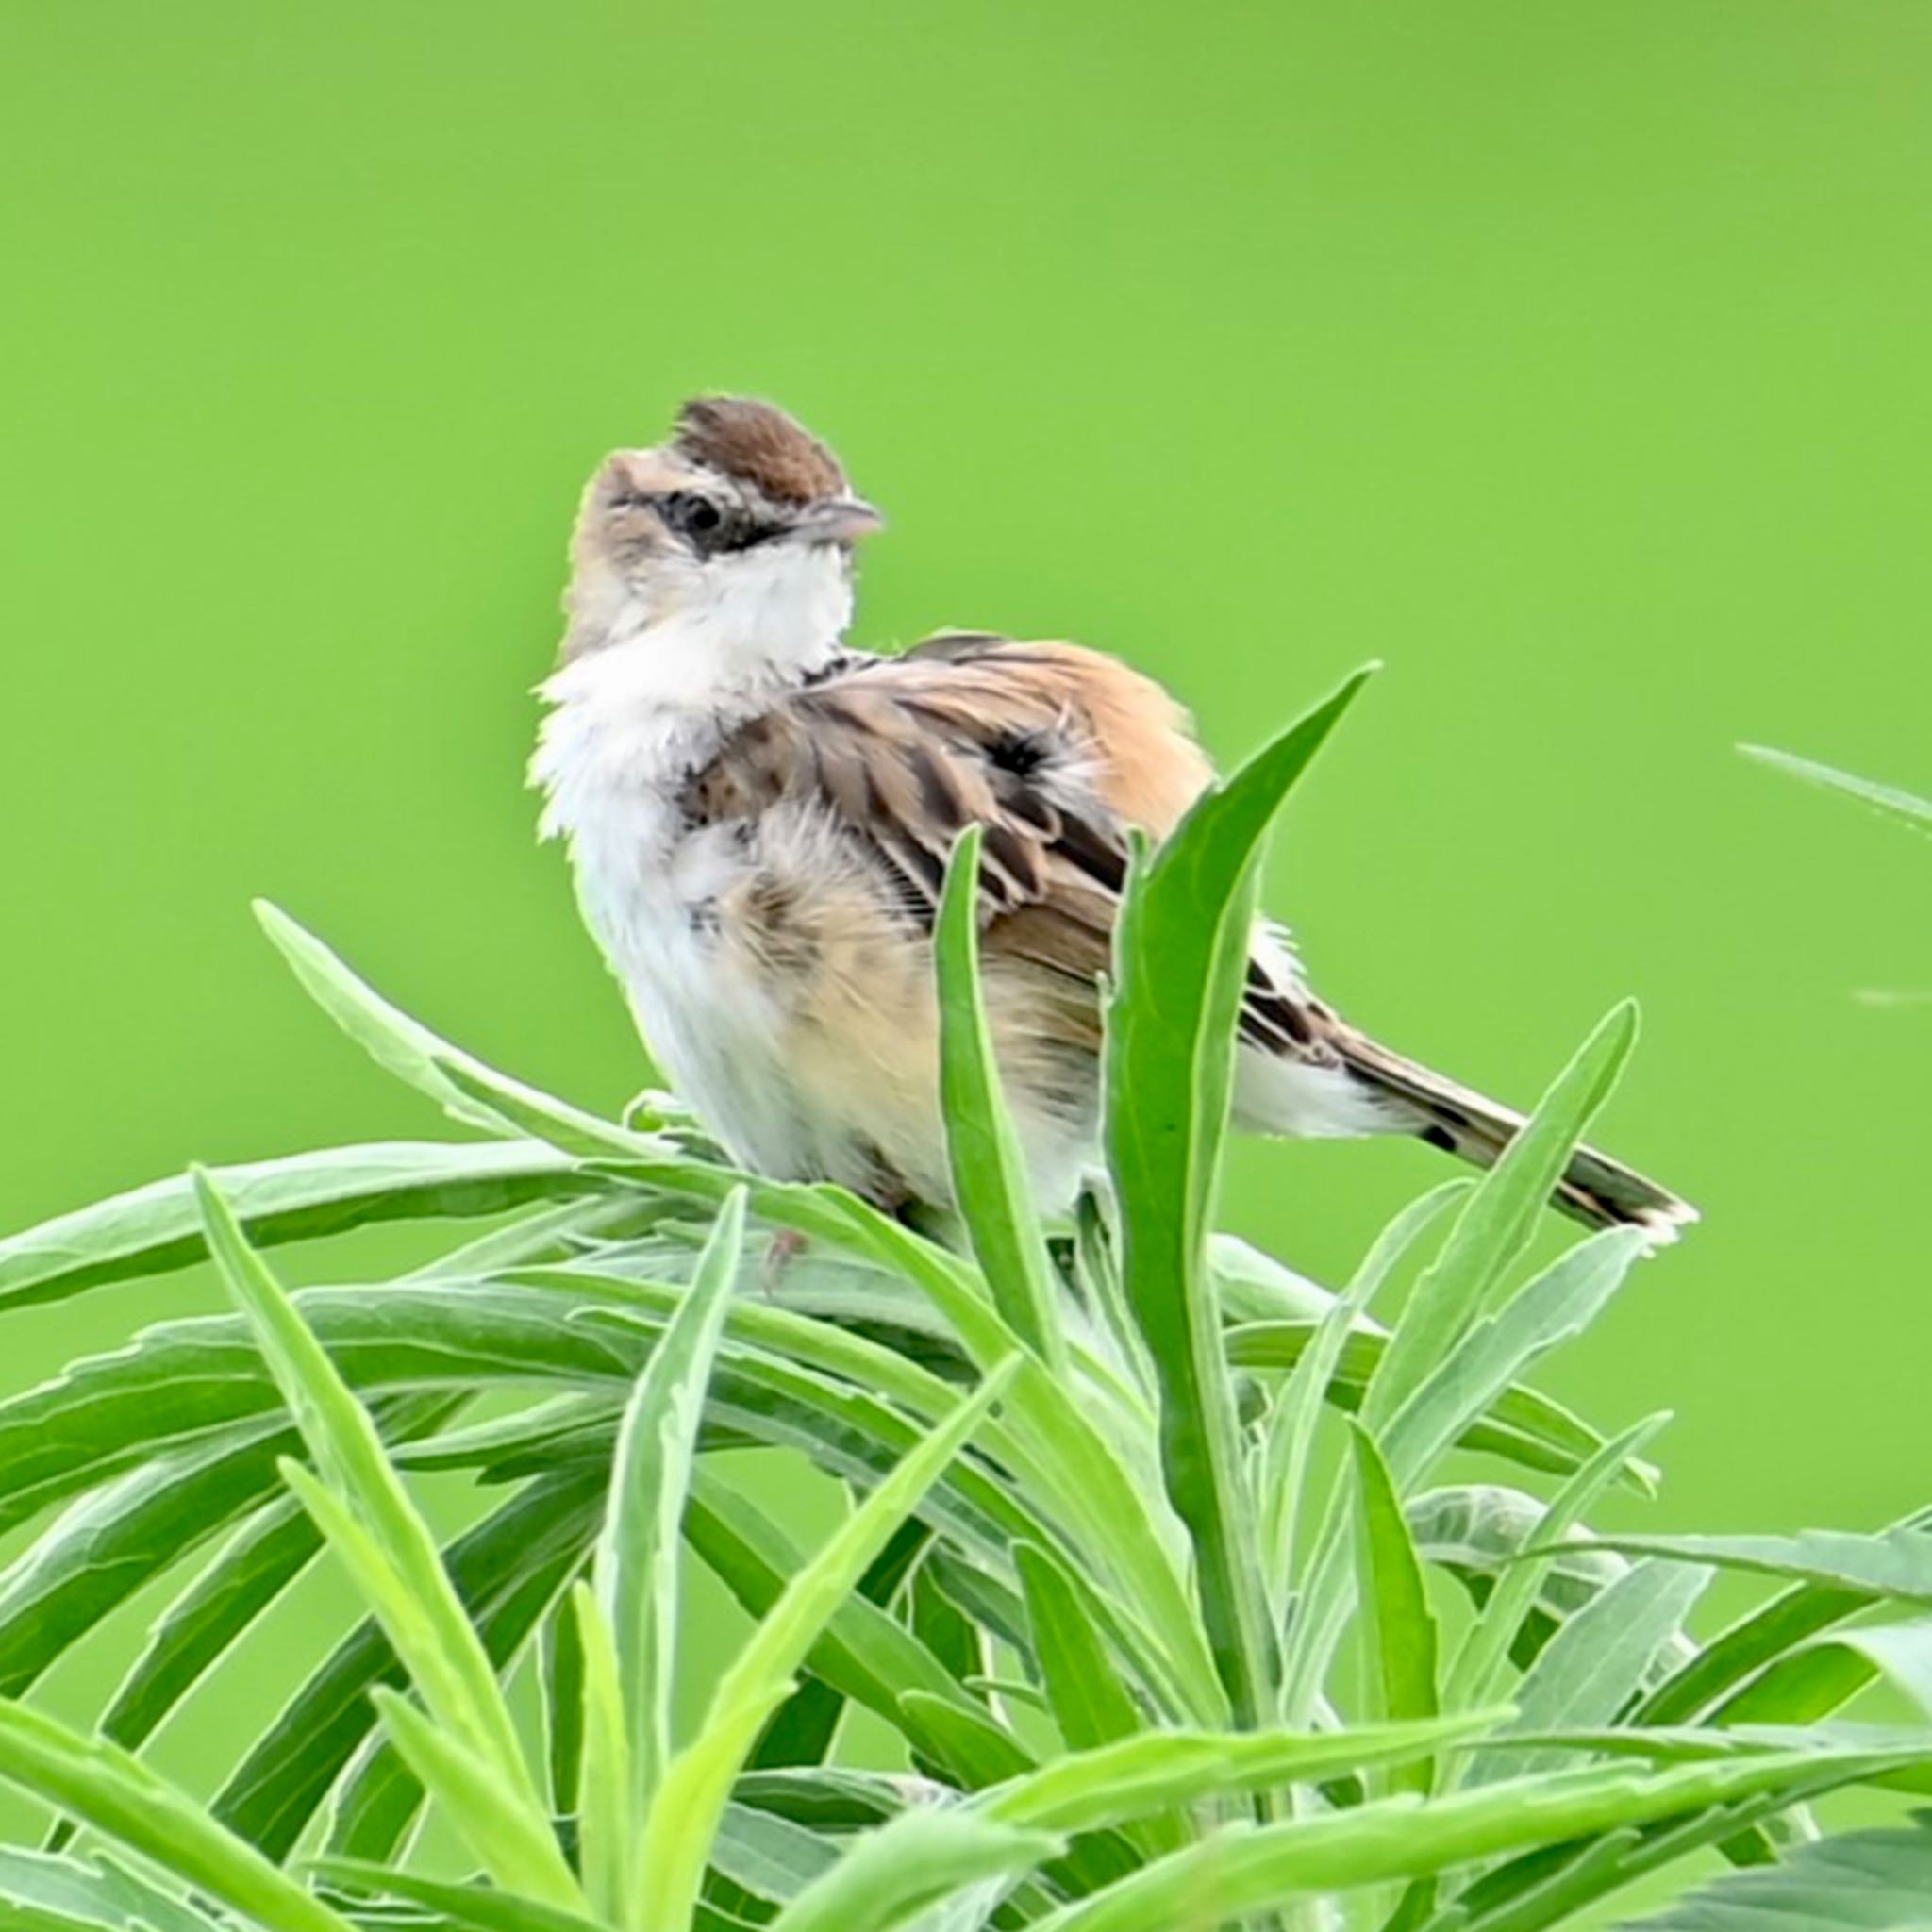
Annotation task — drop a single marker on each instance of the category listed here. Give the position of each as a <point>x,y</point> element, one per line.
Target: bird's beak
<point>837,520</point>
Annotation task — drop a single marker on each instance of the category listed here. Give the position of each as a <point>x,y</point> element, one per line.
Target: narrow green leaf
<point>802,1730</point>
<point>862,1653</point>
<point>506,1570</point>
<point>378,1805</point>
<point>531,1440</point>
<point>983,1151</point>
<point>224,1601</point>
<point>971,1746</point>
<point>1826,1671</point>
<point>39,1893</point>
<point>376,1801</point>
<point>1759,1637</point>
<point>263,1558</point>
<point>474,1908</point>
<point>684,1814</point>
<point>108,1545</point>
<point>419,1058</point>
<point>1181,952</point>
<point>942,1627</point>
<point>1168,1771</point>
<point>1097,1278</point>
<point>826,1798</point>
<point>1054,1451</point>
<point>1398,1629</point>
<point>1519,1424</point>
<point>1551,1887</point>
<point>542,1234</point>
<point>782,1338</point>
<point>1597,1662</point>
<point>1896,1562</point>
<point>373,1521</point>
<point>635,1569</point>
<point>1233,1874</point>
<point>182,1384</point>
<point>1881,1880</point>
<point>1558,1304</point>
<point>562,1651</point>
<point>607,1812</point>
<point>768,1855</point>
<point>518,1849</point>
<point>1091,1703</point>
<point>119,1796</point>
<point>1283,1473</point>
<point>1905,806</point>
<point>523,1110</point>
<point>1477,1672</point>
<point>157,1228</point>
<point>1498,1218</point>
<point>917,1861</point>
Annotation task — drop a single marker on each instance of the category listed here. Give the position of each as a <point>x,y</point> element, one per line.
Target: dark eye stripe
<point>742,534</point>
<point>709,526</point>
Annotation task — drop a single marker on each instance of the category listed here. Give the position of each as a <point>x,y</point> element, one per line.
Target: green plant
<point>1155,1658</point>
<point>1902,808</point>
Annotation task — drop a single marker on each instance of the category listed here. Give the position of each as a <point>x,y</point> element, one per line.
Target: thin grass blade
<point>409,1050</point>
<point>685,1812</point>
<point>156,1229</point>
<point>518,1849</point>
<point>1596,1663</point>
<point>1499,1217</point>
<point>1169,1770</point>
<point>1283,1474</point>
<point>983,1151</point>
<point>917,1861</point>
<point>1181,952</point>
<point>120,1797</point>
<point>1399,1632</point>
<point>374,1521</point>
<point>635,1574</point>
<point>1477,1672</point>
<point>1905,807</point>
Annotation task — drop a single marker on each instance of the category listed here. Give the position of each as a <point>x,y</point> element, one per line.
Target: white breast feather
<point>630,723</point>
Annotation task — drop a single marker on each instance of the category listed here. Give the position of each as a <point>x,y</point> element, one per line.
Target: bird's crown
<point>758,444</point>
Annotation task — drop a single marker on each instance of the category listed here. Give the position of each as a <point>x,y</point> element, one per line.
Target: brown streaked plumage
<point>761,821</point>
<point>760,445</point>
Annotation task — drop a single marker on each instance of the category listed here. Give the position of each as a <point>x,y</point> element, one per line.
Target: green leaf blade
<point>1399,1631</point>
<point>106,1789</point>
<point>1905,807</point>
<point>691,1796</point>
<point>917,1859</point>
<point>373,1518</point>
<point>983,1151</point>
<point>636,1569</point>
<point>1498,1217</point>
<point>1181,950</point>
<point>157,1229</point>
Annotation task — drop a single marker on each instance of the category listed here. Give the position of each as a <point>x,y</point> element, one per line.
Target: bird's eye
<point>691,515</point>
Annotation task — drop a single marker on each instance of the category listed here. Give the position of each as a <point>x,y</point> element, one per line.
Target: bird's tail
<point>1594,1190</point>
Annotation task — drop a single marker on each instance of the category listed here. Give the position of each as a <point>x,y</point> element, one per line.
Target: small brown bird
<point>760,820</point>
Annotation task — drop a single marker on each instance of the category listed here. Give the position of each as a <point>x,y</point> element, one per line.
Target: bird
<point>758,817</point>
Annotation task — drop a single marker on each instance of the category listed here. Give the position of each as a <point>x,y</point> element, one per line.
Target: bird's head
<point>741,525</point>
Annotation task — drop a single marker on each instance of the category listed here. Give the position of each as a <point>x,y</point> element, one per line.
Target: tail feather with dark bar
<point>1595,1189</point>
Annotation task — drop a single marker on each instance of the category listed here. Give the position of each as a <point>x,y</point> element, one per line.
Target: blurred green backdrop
<point>1572,359</point>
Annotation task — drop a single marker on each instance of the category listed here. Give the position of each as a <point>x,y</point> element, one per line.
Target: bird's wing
<point>1055,751</point>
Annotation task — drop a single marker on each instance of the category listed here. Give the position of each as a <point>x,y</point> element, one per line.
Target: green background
<point>1573,359</point>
